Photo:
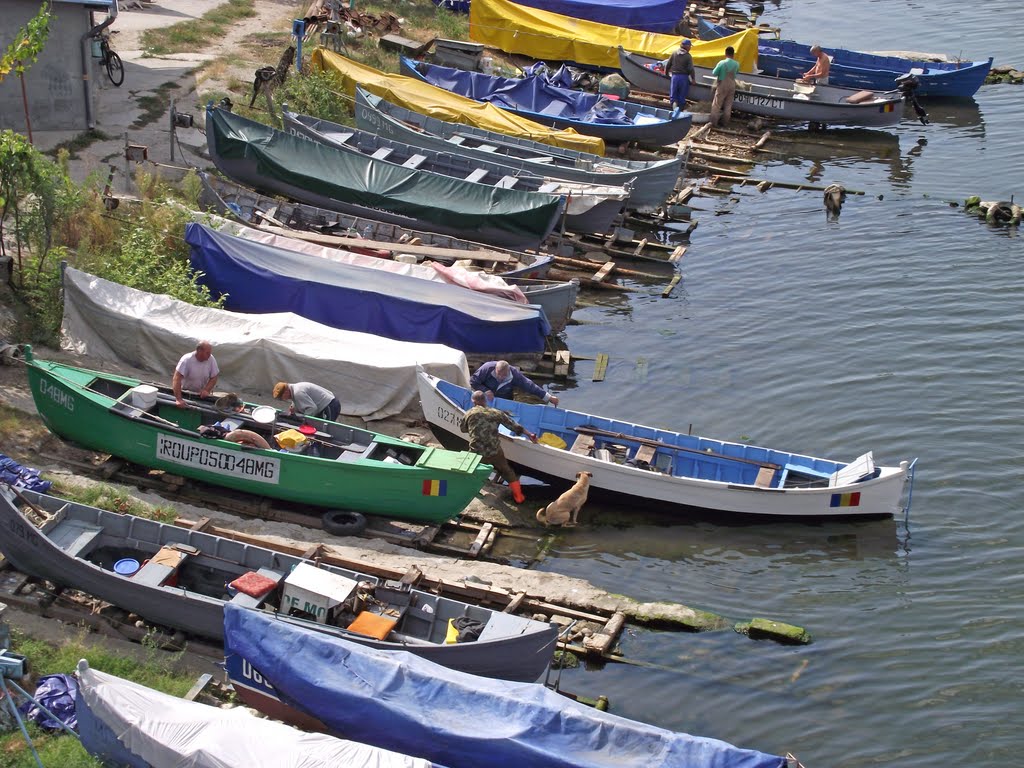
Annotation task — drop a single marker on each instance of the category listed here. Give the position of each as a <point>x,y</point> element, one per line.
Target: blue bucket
<point>127,567</point>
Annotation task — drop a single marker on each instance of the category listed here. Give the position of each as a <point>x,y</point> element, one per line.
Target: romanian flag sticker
<point>845,500</point>
<point>890,107</point>
<point>440,488</point>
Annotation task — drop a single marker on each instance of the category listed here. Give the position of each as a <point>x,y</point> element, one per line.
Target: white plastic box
<point>315,592</point>
<point>144,396</point>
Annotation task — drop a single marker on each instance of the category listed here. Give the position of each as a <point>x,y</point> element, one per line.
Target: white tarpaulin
<point>168,732</point>
<point>372,377</point>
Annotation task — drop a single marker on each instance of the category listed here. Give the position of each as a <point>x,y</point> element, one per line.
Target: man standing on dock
<point>725,87</point>
<point>679,66</point>
<point>482,422</point>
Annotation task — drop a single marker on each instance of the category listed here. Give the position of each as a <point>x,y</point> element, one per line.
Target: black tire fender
<point>343,522</point>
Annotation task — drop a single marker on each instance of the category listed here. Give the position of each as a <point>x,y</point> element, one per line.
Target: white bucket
<point>144,396</point>
<point>264,414</point>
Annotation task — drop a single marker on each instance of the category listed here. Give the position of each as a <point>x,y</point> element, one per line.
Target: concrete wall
<point>54,85</point>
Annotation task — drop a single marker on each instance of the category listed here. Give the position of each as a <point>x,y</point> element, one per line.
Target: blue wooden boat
<point>615,121</point>
<point>855,69</point>
<point>404,703</point>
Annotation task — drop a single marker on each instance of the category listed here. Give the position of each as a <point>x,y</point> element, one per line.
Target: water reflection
<point>842,147</point>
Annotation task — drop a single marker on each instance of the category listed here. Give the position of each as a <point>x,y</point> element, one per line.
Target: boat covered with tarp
<point>556,297</point>
<point>183,579</point>
<point>589,206</point>
<point>777,97</point>
<point>400,702</point>
<point>270,160</point>
<point>550,36</point>
<point>647,15</point>
<point>648,466</point>
<point>252,448</point>
<point>422,97</point>
<point>614,120</point>
<point>651,182</point>
<point>861,69</point>
<point>257,277</point>
<point>372,377</point>
<point>123,723</point>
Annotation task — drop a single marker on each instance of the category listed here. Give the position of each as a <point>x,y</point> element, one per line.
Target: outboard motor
<point>907,85</point>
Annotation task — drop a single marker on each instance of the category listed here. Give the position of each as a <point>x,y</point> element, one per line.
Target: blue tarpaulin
<point>260,278</point>
<point>57,693</point>
<point>648,15</point>
<point>22,477</point>
<point>402,702</point>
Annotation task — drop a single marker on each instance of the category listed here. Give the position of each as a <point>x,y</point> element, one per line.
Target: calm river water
<point>898,328</point>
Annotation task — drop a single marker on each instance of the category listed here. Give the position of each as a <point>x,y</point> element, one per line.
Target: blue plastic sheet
<point>402,702</point>
<point>22,477</point>
<point>57,693</point>
<point>648,15</point>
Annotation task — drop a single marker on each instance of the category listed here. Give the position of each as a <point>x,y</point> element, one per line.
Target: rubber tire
<point>115,69</point>
<point>343,522</point>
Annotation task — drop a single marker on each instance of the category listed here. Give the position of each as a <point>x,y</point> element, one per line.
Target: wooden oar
<point>659,444</point>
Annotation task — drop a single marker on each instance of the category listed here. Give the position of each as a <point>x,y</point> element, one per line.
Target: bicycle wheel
<point>115,69</point>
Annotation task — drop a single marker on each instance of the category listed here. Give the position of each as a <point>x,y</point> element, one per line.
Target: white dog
<point>566,508</point>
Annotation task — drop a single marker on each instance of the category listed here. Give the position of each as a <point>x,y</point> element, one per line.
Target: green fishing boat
<point>311,461</point>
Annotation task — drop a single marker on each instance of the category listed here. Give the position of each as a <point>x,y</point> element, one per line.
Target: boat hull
<point>651,183</point>
<point>878,497</point>
<point>660,132</point>
<point>775,97</point>
<point>517,649</point>
<point>88,418</point>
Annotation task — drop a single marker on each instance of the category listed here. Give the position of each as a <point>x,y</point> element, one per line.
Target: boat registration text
<point>760,101</point>
<point>210,458</point>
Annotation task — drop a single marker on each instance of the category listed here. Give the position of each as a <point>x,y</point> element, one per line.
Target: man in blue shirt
<point>499,379</point>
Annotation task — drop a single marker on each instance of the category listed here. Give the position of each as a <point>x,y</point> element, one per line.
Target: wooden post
<point>600,367</point>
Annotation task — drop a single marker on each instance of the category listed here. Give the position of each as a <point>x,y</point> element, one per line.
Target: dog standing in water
<point>566,508</point>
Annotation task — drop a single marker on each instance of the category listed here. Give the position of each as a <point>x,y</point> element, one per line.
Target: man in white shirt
<point>195,372</point>
<point>308,399</point>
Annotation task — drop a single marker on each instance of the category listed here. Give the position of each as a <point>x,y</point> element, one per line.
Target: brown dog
<point>565,509</point>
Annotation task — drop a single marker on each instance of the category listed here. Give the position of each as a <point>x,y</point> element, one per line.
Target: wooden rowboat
<point>183,579</point>
<point>777,97</point>
<point>657,466</point>
<point>356,469</point>
<point>651,182</point>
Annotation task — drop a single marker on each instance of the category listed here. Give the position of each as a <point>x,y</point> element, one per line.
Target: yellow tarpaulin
<point>436,102</point>
<point>514,28</point>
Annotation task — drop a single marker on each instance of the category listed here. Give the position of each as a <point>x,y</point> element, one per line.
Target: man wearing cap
<point>680,67</point>
<point>308,399</point>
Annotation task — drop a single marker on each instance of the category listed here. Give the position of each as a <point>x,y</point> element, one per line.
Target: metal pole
<point>9,698</point>
<point>172,130</point>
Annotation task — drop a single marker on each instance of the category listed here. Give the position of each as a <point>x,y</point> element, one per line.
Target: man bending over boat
<point>499,379</point>
<point>482,422</point>
<point>819,72</point>
<point>195,372</point>
<point>308,399</point>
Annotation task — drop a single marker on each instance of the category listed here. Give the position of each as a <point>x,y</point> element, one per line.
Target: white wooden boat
<point>778,97</point>
<point>661,467</point>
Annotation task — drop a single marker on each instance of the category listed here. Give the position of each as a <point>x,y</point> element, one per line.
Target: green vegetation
<point>154,106</point>
<point>46,658</point>
<point>109,498</point>
<point>196,34</point>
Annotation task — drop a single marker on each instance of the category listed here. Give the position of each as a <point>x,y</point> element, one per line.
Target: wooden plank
<point>563,360</point>
<point>644,453</point>
<point>602,274</point>
<point>582,445</point>
<point>197,688</point>
<point>426,250</point>
<point>481,538</point>
<point>412,576</point>
<point>515,602</point>
<point>600,367</point>
<point>201,524</point>
<point>603,641</point>
<point>671,285</point>
<point>311,552</point>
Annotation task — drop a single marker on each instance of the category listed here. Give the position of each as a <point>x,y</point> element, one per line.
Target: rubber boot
<point>517,492</point>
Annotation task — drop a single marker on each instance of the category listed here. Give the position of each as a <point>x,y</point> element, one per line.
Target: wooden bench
<point>75,536</point>
<point>415,161</point>
<point>644,453</point>
<point>478,175</point>
<point>248,601</point>
<point>487,148</point>
<point>507,182</point>
<point>160,567</point>
<point>582,445</point>
<point>382,153</point>
<point>764,477</point>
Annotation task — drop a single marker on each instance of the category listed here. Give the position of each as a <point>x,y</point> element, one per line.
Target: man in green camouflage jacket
<point>482,422</point>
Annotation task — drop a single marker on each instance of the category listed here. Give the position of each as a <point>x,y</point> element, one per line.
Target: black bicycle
<point>111,62</point>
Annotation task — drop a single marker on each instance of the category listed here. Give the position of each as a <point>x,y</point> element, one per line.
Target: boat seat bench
<point>75,537</point>
<point>582,445</point>
<point>477,175</point>
<point>248,601</point>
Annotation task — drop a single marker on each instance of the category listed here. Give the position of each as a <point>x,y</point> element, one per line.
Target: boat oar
<point>659,444</point>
